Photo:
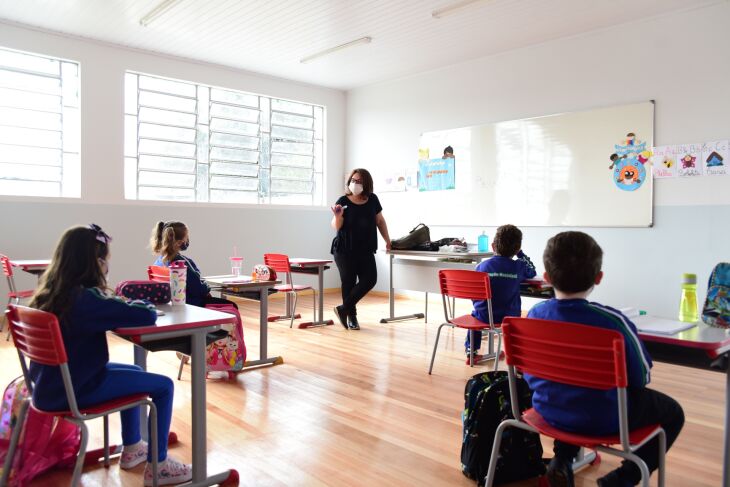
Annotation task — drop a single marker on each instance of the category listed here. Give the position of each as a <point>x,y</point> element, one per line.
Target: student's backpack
<point>45,441</point>
<point>716,311</point>
<point>229,353</point>
<point>487,404</point>
<point>153,291</point>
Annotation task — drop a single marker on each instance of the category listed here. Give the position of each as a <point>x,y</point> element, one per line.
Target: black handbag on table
<point>418,236</point>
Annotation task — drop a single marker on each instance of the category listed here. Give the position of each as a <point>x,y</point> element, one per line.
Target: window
<point>191,142</point>
<point>39,125</point>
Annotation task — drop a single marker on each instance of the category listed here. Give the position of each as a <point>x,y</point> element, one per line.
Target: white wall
<point>31,226</point>
<point>680,60</point>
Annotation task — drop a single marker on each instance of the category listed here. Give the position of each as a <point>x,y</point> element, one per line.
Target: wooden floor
<point>354,408</point>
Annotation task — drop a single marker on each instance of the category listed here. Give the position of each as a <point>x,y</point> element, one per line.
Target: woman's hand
<point>387,245</point>
<point>337,210</point>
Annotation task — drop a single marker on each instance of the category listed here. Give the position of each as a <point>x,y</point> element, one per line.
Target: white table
<point>193,322</point>
<point>230,284</point>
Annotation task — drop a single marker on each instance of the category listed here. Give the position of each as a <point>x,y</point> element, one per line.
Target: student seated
<point>74,288</point>
<point>505,275</point>
<point>573,266</point>
<point>168,239</point>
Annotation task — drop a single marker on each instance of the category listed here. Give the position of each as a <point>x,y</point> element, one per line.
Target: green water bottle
<point>688,304</point>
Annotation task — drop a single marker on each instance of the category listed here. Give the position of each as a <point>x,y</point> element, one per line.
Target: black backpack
<point>487,403</point>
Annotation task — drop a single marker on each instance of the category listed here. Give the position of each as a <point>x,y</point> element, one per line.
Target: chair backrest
<point>7,266</point>
<point>464,284</point>
<point>158,273</point>
<point>278,262</point>
<point>569,353</point>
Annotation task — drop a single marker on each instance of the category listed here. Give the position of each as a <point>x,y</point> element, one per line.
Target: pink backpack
<point>45,441</point>
<point>227,354</point>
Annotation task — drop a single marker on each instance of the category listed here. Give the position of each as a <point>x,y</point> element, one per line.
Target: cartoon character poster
<point>628,163</point>
<point>715,157</point>
<point>664,161</point>
<point>436,174</point>
<point>689,160</point>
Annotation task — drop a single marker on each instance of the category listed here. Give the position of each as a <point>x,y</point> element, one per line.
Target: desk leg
<point>726,448</point>
<point>288,305</point>
<point>320,312</point>
<point>140,359</point>
<point>200,466</point>
<point>263,334</point>
<point>391,298</point>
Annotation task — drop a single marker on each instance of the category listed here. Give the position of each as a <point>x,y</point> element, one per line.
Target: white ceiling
<point>271,36</point>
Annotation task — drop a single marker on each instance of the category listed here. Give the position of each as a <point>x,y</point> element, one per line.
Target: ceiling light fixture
<point>443,12</point>
<point>312,57</point>
<point>156,12</point>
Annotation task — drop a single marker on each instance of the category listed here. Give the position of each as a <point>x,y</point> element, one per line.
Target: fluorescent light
<point>312,57</point>
<point>443,12</point>
<point>156,12</point>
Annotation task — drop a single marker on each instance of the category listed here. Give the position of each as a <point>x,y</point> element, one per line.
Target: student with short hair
<point>74,288</point>
<point>573,266</point>
<point>505,274</point>
<point>168,240</point>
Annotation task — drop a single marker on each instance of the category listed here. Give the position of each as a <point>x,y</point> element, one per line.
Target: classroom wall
<point>679,60</point>
<point>31,226</point>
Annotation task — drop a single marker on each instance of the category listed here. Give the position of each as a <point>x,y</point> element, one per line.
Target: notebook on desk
<point>654,324</point>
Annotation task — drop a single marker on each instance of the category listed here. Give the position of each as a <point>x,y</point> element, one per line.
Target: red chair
<point>37,336</point>
<point>280,263</point>
<point>158,273</point>
<point>14,296</point>
<point>578,355</point>
<point>471,285</point>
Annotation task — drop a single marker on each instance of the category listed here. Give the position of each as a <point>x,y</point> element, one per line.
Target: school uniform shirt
<point>91,315</point>
<point>505,275</point>
<point>358,232</point>
<point>579,409</point>
<point>196,289</point>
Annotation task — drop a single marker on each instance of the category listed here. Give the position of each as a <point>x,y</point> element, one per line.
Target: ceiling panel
<point>272,36</point>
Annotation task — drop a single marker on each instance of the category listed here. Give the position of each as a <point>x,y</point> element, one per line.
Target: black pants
<point>358,274</point>
<point>646,407</point>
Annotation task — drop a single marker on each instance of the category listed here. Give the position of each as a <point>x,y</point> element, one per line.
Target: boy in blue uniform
<point>573,266</point>
<point>505,275</point>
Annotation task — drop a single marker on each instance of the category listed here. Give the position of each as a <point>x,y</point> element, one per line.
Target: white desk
<point>227,284</point>
<point>418,271</point>
<point>193,322</point>
<point>714,343</point>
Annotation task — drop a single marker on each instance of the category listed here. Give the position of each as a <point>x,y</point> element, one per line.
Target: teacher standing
<point>356,216</point>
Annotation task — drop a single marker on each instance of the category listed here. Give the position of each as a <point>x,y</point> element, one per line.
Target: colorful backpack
<point>153,291</point>
<point>45,441</point>
<point>716,311</point>
<point>227,354</point>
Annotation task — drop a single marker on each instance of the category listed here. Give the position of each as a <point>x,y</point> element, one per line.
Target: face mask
<point>185,245</point>
<point>356,189</point>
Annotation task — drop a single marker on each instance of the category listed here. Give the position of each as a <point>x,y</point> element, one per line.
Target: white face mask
<point>355,189</point>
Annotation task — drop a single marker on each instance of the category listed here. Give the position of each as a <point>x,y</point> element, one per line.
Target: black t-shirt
<point>358,233</point>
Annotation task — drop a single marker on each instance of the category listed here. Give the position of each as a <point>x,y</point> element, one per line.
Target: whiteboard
<point>547,171</point>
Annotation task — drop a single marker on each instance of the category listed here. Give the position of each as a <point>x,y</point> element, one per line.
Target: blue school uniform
<point>580,409</point>
<point>505,275</point>
<point>196,290</point>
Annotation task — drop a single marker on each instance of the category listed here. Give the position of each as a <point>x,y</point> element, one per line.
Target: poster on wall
<point>392,181</point>
<point>664,161</point>
<point>436,174</point>
<point>689,160</point>
<point>715,157</point>
<point>628,161</point>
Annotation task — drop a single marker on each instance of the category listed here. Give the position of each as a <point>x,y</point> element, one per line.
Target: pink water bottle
<point>178,280</point>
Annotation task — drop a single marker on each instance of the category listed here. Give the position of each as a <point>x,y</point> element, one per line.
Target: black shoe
<point>352,323</point>
<point>341,316</point>
<point>559,473</point>
<point>614,479</point>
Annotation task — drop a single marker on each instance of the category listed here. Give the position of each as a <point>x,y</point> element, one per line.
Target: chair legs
<point>106,441</point>
<point>436,344</point>
<point>499,350</point>
<point>82,453</point>
<point>183,360</point>
<point>293,309</point>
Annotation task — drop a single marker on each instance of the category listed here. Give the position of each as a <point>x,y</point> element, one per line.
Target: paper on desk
<point>660,326</point>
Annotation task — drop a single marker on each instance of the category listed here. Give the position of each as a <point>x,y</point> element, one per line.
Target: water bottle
<point>483,243</point>
<point>178,281</point>
<point>688,304</point>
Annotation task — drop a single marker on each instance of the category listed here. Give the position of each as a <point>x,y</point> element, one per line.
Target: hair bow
<point>101,235</point>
